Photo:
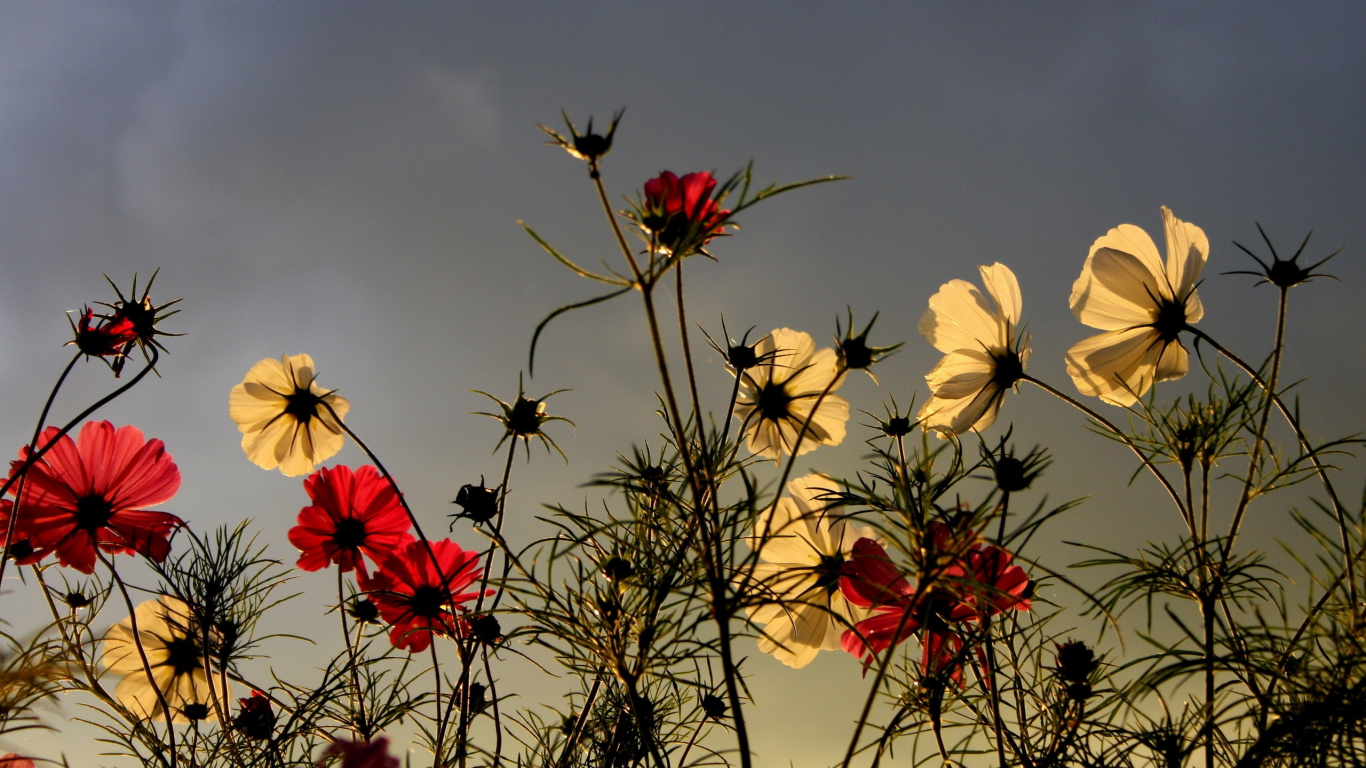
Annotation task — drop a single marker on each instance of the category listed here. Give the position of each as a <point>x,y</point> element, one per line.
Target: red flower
<point>21,549</point>
<point>12,760</point>
<point>93,492</point>
<point>971,581</point>
<point>109,338</point>
<point>415,598</point>
<point>681,213</point>
<point>358,754</point>
<point>257,719</point>
<point>351,512</point>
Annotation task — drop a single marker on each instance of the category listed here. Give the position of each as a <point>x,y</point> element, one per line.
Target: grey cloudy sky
<point>344,179</point>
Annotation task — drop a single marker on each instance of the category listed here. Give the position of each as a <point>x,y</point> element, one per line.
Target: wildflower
<point>984,355</point>
<point>713,706</point>
<point>477,503</point>
<point>256,719</point>
<point>360,754</point>
<point>1284,273</point>
<point>171,642</point>
<point>587,146</point>
<point>363,611</point>
<point>416,598</point>
<point>352,512</point>
<point>966,582</point>
<point>523,418</point>
<point>1075,664</point>
<point>109,337</point>
<point>144,317</point>
<point>485,629</point>
<point>1141,304</point>
<point>680,215</point>
<point>286,419</point>
<point>853,350</point>
<point>11,760</point>
<point>803,548</point>
<point>793,383</point>
<point>93,492</point>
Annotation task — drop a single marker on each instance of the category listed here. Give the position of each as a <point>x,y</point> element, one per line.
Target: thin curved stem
<point>142,654</point>
<point>1259,438</point>
<point>1186,514</point>
<point>1309,451</point>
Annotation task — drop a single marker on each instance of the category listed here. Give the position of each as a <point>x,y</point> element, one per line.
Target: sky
<point>346,180</point>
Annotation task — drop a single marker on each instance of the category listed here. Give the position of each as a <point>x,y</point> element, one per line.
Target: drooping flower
<point>286,419</point>
<point>93,492</point>
<point>352,512</point>
<point>360,754</point>
<point>171,641</point>
<point>144,318</point>
<point>1141,304</point>
<point>784,389</point>
<point>256,720</point>
<point>415,598</point>
<point>108,338</point>
<point>681,214</point>
<point>984,353</point>
<point>803,548</point>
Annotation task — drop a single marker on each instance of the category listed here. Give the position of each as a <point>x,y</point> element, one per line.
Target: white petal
<point>1187,250</point>
<point>1117,366</point>
<point>1116,291</point>
<point>1000,282</point>
<point>960,317</point>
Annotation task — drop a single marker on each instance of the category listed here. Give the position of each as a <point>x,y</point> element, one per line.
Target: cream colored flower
<point>171,643</point>
<point>779,393</point>
<point>286,419</point>
<point>984,353</point>
<point>1141,304</point>
<point>802,549</point>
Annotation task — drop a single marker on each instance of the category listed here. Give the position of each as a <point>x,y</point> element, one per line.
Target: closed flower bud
<point>713,706</point>
<point>477,503</point>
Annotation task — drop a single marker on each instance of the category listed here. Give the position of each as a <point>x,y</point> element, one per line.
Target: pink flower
<point>352,512</point>
<point>358,754</point>
<point>681,213</point>
<point>93,491</point>
<point>417,599</point>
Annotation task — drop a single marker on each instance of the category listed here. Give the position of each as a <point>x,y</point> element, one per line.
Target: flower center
<point>182,655</point>
<point>828,572</point>
<point>774,401</point>
<point>302,405</point>
<point>1009,369</point>
<point>525,418</point>
<point>350,533</point>
<point>427,602</point>
<point>93,512</point>
<point>1171,319</point>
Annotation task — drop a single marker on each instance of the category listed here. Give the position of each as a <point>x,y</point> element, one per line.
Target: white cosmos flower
<point>983,353</point>
<point>778,395</point>
<point>1141,304</point>
<point>171,643</point>
<point>287,420</point>
<point>802,549</point>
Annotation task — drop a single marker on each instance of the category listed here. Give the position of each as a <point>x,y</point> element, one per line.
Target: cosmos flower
<point>93,491</point>
<point>983,353</point>
<point>172,644</point>
<point>971,581</point>
<point>110,337</point>
<point>681,213</point>
<point>351,512</point>
<point>286,419</point>
<point>1141,304</point>
<point>360,754</point>
<point>411,596</point>
<point>803,549</point>
<point>778,394</point>
<point>11,760</point>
